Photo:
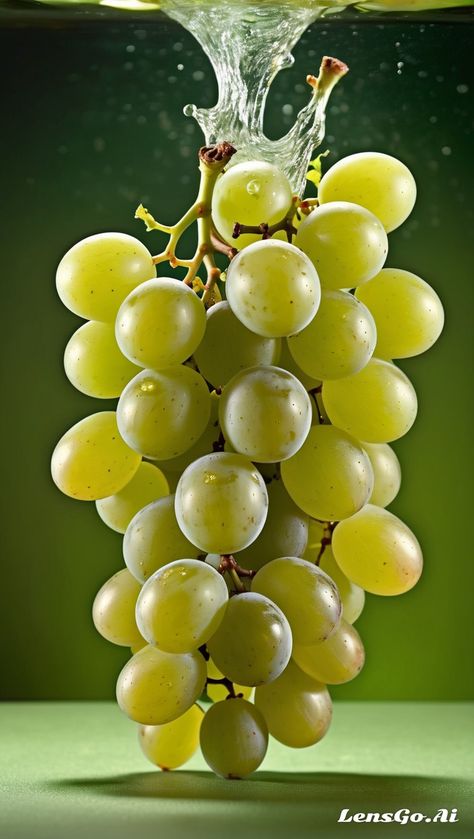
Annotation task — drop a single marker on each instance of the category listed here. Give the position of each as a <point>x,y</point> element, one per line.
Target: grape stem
<point>227,684</point>
<point>314,393</point>
<point>269,230</point>
<point>326,540</point>
<point>236,572</point>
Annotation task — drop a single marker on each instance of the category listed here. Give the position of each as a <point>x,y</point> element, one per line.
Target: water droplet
<point>253,187</point>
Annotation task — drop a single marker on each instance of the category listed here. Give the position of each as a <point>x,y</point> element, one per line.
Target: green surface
<point>71,770</point>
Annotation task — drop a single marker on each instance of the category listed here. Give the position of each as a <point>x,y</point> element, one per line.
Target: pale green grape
<point>387,473</point>
<point>147,485</point>
<point>376,405</point>
<point>287,362</point>
<point>337,660</point>
<point>162,413</point>
<point>296,708</point>
<point>340,339</point>
<point>182,605</point>
<point>407,311</point>
<point>376,550</point>
<point>304,593</point>
<point>249,193</point>
<point>352,596</point>
<point>346,243</point>
<point>265,413</point>
<point>234,738</point>
<point>160,323</point>
<point>96,274</point>
<point>153,539</point>
<point>93,362</point>
<point>113,610</point>
<point>331,476</point>
<point>273,288</point>
<point>91,460</point>
<point>221,503</point>
<point>379,182</point>
<point>172,744</point>
<point>156,687</point>
<point>253,643</point>
<point>138,645</point>
<point>246,348</point>
<point>217,692</point>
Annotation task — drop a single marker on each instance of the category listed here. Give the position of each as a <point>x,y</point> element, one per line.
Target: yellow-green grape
<point>182,605</point>
<point>379,182</point>
<point>407,311</point>
<point>153,539</point>
<point>265,413</point>
<point>352,596</point>
<point>331,476</point>
<point>340,339</point>
<point>147,485</point>
<point>304,593</point>
<point>234,738</point>
<point>162,413</point>
<point>296,708</point>
<point>113,610</point>
<point>337,660</point>
<point>96,274</point>
<point>156,687</point>
<point>221,503</point>
<point>94,364</point>
<point>287,362</point>
<point>247,349</point>
<point>138,645</point>
<point>217,692</point>
<point>174,743</point>
<point>317,531</point>
<point>253,643</point>
<point>347,244</point>
<point>160,323</point>
<point>273,288</point>
<point>377,550</point>
<point>249,193</point>
<point>204,445</point>
<point>387,473</point>
<point>376,405</point>
<point>92,460</point>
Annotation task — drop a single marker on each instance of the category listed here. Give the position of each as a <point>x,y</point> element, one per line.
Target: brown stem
<point>313,392</point>
<point>225,682</point>
<point>326,540</point>
<point>220,246</point>
<point>268,230</point>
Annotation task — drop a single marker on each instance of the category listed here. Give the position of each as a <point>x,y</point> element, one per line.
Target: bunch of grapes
<point>248,462</point>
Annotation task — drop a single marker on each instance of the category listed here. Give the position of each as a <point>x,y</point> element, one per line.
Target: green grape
<point>379,182</point>
<point>161,414</point>
<point>138,645</point>
<point>346,243</point>
<point>91,460</point>
<point>287,362</point>
<point>96,274</point>
<point>253,643</point>
<point>160,323</point>
<point>234,738</point>
<point>296,708</point>
<point>273,288</point>
<point>376,405</point>
<point>250,193</point>
<point>304,593</point>
<point>265,413</point>
<point>387,473</point>
<point>407,311</point>
<point>330,477</point>
<point>174,743</point>
<point>153,539</point>
<point>340,339</point>
<point>218,692</point>
<point>182,605</point>
<point>156,687</point>
<point>221,503</point>
<point>147,485</point>
<point>204,445</point>
<point>94,364</point>
<point>376,550</point>
<point>248,349</point>
<point>352,596</point>
<point>113,610</point>
<point>337,660</point>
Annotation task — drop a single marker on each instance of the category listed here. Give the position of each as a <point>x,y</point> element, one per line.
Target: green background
<point>92,125</point>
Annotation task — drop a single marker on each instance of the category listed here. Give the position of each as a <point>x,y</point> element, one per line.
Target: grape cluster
<point>248,462</point>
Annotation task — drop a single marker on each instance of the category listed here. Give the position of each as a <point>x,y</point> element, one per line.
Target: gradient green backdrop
<point>92,125</point>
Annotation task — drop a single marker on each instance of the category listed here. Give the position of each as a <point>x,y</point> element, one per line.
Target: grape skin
<point>352,596</point>
<point>113,610</point>
<point>234,738</point>
<point>171,745</point>
<point>94,364</point>
<point>335,661</point>
<point>147,485</point>
<point>217,692</point>
<point>387,473</point>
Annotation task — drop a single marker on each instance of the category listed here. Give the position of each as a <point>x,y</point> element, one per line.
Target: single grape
<point>113,610</point>
<point>94,364</point>
<point>376,550</point>
<point>376,405</point>
<point>147,485</point>
<point>352,596</point>
<point>387,473</point>
<point>218,692</point>
<point>287,362</point>
<point>273,288</point>
<point>335,661</point>
<point>296,708</point>
<point>234,738</point>
<point>96,274</point>
<point>91,460</point>
<point>345,242</point>
<point>174,743</point>
<point>204,445</point>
